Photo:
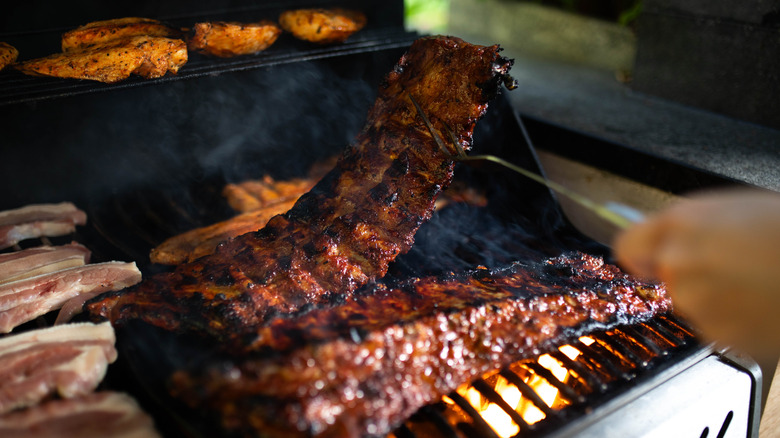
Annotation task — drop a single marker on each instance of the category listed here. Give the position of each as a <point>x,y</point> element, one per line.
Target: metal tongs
<point>615,213</point>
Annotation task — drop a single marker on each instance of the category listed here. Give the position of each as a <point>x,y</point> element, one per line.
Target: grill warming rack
<point>16,87</point>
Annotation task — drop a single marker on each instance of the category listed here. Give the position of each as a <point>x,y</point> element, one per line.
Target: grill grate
<point>16,87</point>
<point>589,372</point>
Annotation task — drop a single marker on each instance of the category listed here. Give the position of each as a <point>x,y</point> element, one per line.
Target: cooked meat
<point>38,220</point>
<point>322,26</point>
<point>8,54</point>
<point>193,244</point>
<point>101,32</point>
<point>68,360</point>
<point>361,368</point>
<point>41,260</point>
<point>96,415</point>
<point>256,194</point>
<point>261,193</point>
<point>146,56</point>
<point>229,38</point>
<point>258,200</point>
<point>351,225</point>
<point>25,300</point>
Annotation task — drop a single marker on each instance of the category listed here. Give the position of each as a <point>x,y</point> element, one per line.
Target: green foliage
<point>429,16</point>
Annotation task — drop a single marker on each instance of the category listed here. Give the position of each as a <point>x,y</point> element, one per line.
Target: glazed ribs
<point>361,368</point>
<point>351,225</point>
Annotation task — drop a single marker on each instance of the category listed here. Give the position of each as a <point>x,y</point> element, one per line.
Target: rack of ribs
<point>351,225</point>
<point>363,367</point>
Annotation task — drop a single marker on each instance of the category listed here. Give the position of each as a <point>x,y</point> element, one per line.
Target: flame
<point>499,420</point>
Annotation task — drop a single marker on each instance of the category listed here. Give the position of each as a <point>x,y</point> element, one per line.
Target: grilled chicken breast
<point>101,32</point>
<point>228,38</point>
<point>322,26</point>
<point>146,56</point>
<point>8,54</point>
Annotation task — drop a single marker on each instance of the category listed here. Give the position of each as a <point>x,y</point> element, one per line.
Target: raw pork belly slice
<point>40,260</point>
<point>25,300</point>
<point>39,220</point>
<point>96,415</point>
<point>68,360</point>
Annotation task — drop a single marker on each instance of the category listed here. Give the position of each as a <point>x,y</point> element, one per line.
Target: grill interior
<point>536,396</point>
<point>607,364</point>
<point>154,159</point>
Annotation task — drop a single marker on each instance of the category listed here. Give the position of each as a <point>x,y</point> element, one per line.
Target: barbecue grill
<point>147,159</point>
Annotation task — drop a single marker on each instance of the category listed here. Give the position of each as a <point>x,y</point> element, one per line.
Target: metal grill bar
<point>566,390</point>
<point>16,87</point>
<point>479,424</point>
<point>613,361</point>
<point>527,392</point>
<point>619,350</point>
<point>489,393</point>
<point>602,359</point>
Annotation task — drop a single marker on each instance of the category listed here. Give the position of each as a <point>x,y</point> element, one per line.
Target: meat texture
<point>351,225</point>
<point>98,33</point>
<point>322,26</point>
<point>198,242</point>
<point>8,54</point>
<point>27,299</point>
<point>38,220</point>
<point>40,260</point>
<point>146,56</point>
<point>68,360</point>
<point>361,368</point>
<point>229,38</point>
<point>96,415</point>
<point>194,244</point>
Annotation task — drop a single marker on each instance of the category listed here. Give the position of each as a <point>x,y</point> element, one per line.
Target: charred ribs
<point>361,368</point>
<point>351,225</point>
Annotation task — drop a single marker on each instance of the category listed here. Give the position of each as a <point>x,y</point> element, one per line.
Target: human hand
<point>719,255</point>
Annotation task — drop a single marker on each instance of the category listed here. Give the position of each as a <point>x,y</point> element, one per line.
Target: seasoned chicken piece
<point>146,56</point>
<point>8,54</point>
<point>229,38</point>
<point>322,25</point>
<point>101,32</point>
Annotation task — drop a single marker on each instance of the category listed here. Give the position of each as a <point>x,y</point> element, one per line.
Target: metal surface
<point>711,398</point>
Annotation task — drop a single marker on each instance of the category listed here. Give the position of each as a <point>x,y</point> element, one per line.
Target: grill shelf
<point>16,87</point>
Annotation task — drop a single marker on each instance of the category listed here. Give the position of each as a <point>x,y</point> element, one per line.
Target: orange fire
<point>499,420</point>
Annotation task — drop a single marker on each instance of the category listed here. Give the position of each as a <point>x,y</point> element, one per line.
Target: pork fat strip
<point>38,220</point>
<point>40,260</point>
<point>68,360</point>
<point>352,224</point>
<point>25,300</point>
<point>361,368</point>
<point>101,32</point>
<point>229,38</point>
<point>96,415</point>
